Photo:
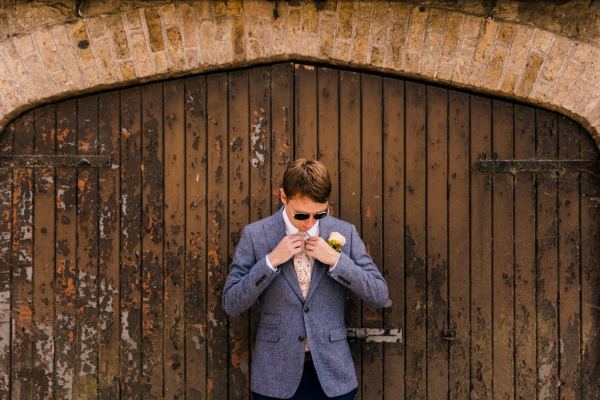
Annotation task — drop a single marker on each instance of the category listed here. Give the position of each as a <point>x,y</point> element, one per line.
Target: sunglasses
<point>300,216</point>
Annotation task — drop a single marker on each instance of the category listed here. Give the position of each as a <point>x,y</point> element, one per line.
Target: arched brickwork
<point>493,56</point>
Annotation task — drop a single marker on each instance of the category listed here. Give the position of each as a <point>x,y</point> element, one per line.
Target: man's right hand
<point>289,246</point>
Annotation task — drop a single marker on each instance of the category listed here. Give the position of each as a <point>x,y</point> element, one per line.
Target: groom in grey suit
<point>286,262</point>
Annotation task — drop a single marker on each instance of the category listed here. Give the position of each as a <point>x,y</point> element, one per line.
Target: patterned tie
<point>303,267</point>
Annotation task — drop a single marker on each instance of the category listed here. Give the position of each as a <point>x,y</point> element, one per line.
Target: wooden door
<point>120,212</point>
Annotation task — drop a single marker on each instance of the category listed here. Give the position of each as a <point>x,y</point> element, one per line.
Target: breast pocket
<point>270,319</point>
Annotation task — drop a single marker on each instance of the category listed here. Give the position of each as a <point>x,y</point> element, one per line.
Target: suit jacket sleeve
<point>247,279</point>
<point>359,274</point>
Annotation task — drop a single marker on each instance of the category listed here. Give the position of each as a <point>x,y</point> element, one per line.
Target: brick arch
<point>121,48</point>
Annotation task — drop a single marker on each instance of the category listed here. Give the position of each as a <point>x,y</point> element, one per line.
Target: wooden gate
<point>120,212</point>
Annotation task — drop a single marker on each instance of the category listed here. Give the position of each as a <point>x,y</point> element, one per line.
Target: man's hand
<point>317,247</point>
<point>289,246</point>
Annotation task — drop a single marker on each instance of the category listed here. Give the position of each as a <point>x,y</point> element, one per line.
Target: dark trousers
<point>309,388</point>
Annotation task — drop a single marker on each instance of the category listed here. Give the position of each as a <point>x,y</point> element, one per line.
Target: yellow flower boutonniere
<point>336,240</point>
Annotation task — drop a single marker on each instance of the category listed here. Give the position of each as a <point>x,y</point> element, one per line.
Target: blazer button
<point>301,338</point>
<point>306,309</point>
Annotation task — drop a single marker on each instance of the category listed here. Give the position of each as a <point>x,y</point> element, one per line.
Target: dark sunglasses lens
<point>320,215</point>
<point>301,216</point>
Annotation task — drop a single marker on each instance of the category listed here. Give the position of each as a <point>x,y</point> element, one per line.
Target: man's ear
<point>282,196</point>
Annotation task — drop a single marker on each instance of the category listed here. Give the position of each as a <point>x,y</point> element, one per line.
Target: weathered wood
<point>458,244</point>
<point>153,232</point>
<point>195,273</point>
<point>174,239</point>
<point>22,260</point>
<point>282,125</point>
<point>569,265</point>
<point>328,129</point>
<point>503,255</point>
<point>131,243</point>
<point>6,143</point>
<point>66,248</point>
<point>437,242</point>
<point>46,160</point>
<point>547,261</point>
<point>350,172</point>
<point>414,243</point>
<point>481,253</point>
<point>372,221</point>
<point>108,242</point>
<point>87,253</point>
<point>218,173</point>
<point>239,215</point>
<point>44,257</point>
<point>590,273</point>
<point>525,269</point>
<point>305,111</point>
<point>393,231</point>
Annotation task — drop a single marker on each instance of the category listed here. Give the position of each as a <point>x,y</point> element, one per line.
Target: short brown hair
<point>308,178</point>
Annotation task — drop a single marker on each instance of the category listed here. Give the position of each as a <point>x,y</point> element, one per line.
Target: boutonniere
<point>336,240</point>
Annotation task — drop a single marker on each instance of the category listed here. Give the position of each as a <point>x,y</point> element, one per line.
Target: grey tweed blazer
<point>287,318</point>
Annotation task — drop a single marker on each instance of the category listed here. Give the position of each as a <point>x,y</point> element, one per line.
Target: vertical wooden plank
<point>22,259</point>
<point>87,252</point>
<point>282,108</point>
<point>196,285</point>
<point>547,260</point>
<point>590,273</point>
<point>153,225</point>
<point>458,244</point>
<point>503,254</point>
<point>44,256</point>
<point>174,177</point>
<point>260,141</point>
<point>393,229</point>
<point>305,134</point>
<point>218,174</point>
<point>239,216</point>
<point>372,221</point>
<point>260,155</point>
<point>481,272</point>
<point>328,125</point>
<point>6,147</point>
<point>195,304</point>
<point>350,187</point>
<point>525,271</point>
<point>66,247</point>
<point>108,224</point>
<point>569,264</point>
<point>414,243</point>
<point>437,242</point>
<point>131,244</point>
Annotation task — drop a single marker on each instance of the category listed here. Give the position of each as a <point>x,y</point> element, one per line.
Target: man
<point>286,262</point>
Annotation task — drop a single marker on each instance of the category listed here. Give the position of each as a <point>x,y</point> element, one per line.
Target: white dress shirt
<point>290,229</point>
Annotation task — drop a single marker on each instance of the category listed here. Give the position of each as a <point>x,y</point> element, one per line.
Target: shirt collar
<point>290,229</point>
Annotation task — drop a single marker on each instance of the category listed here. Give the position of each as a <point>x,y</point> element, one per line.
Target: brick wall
<point>116,46</point>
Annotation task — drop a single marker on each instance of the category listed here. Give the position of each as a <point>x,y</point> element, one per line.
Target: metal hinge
<point>538,166</point>
<point>45,161</point>
<point>376,334</point>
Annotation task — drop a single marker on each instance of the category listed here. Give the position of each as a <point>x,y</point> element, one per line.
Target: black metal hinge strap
<point>540,166</point>
<point>73,161</point>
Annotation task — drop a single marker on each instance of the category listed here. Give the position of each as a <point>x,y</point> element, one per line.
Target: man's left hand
<point>318,248</point>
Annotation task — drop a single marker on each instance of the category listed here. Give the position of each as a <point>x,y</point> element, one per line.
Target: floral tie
<point>303,267</point>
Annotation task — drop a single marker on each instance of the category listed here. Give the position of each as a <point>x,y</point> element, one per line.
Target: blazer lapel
<point>319,269</point>
<point>274,233</point>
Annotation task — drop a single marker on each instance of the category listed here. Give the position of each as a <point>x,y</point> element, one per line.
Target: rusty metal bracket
<point>45,161</point>
<point>538,166</point>
<point>376,334</point>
